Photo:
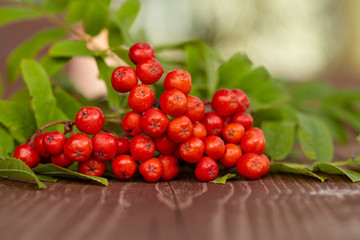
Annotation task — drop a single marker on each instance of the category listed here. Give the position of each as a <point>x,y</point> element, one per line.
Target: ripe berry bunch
<point>182,129</point>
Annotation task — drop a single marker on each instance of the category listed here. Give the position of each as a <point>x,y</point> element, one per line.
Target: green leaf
<point>15,168</point>
<point>6,143</point>
<point>18,119</point>
<point>105,74</point>
<point>70,48</point>
<point>310,90</point>
<point>269,91</point>
<point>69,105</point>
<point>315,138</point>
<point>266,114</point>
<point>210,69</point>
<point>124,55</point>
<point>29,49</point>
<point>10,14</point>
<point>253,79</point>
<point>354,161</point>
<point>233,70</point>
<point>223,179</point>
<point>95,19</point>
<point>279,138</point>
<point>347,114</point>
<point>54,6</point>
<point>53,64</point>
<point>333,169</point>
<point>76,10</point>
<point>21,97</point>
<point>42,99</point>
<point>128,12</point>
<point>294,168</point>
<point>46,178</point>
<point>56,171</point>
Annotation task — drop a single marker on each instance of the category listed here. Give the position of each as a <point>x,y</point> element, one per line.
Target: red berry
<point>266,163</point>
<point>123,79</point>
<point>27,154</point>
<point>206,169</point>
<point>180,129</point>
<point>170,167</point>
<point>244,119</point>
<point>164,145</point>
<point>213,123</point>
<point>141,51</point>
<point>178,79</point>
<point>151,169</point>
<point>105,146</point>
<point>233,132</point>
<point>141,98</point>
<point>123,145</point>
<point>141,147</point>
<point>131,123</point>
<point>53,142</point>
<point>214,147</point>
<point>61,160</point>
<point>78,147</point>
<point>225,102</point>
<point>231,156</point>
<point>251,166</point>
<point>154,122</point>
<point>173,102</point>
<point>195,108</point>
<point>89,120</point>
<point>92,167</point>
<point>199,131</point>
<point>243,100</point>
<point>123,166</point>
<point>149,71</point>
<point>253,141</point>
<point>39,147</point>
<point>192,150</point>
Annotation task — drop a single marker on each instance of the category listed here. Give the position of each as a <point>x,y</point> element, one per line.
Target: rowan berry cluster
<point>182,128</point>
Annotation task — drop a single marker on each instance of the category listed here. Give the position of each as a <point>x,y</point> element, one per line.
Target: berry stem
<point>68,128</point>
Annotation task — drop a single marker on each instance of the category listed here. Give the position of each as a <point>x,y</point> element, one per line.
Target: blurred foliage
<point>310,114</point>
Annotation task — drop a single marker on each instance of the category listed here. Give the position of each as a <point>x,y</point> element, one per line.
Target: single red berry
<point>180,129</point>
<point>244,119</point>
<point>192,150</point>
<point>141,51</point>
<point>206,169</point>
<point>105,146</point>
<point>173,102</point>
<point>61,160</point>
<point>89,120</point>
<point>214,147</point>
<point>170,167</point>
<point>232,155</point>
<point>164,145</point>
<point>27,154</point>
<point>213,123</point>
<point>123,166</point>
<point>141,98</point>
<point>78,147</point>
<point>178,79</point>
<point>225,102</point>
<point>154,122</point>
<point>123,145</point>
<point>199,131</point>
<point>176,153</point>
<point>253,141</point>
<point>233,132</point>
<point>266,163</point>
<point>151,169</point>
<point>131,123</point>
<point>53,142</point>
<point>149,71</point>
<point>243,100</point>
<point>92,167</point>
<point>251,166</point>
<point>142,147</point>
<point>39,147</point>
<point>195,108</point>
<point>123,79</point>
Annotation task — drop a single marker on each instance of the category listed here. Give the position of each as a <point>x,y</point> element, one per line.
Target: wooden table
<point>275,207</point>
